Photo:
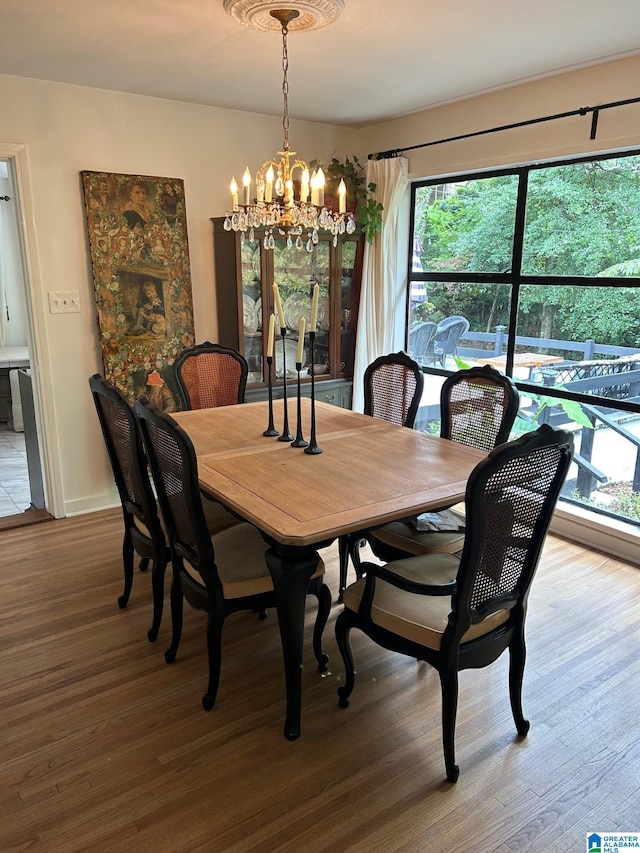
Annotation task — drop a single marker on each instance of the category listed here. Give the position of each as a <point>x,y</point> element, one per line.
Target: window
<point>543,261</point>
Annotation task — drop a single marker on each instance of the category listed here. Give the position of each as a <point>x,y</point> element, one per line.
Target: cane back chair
<point>219,575</point>
<point>470,620</point>
<point>392,391</point>
<point>143,533</point>
<point>478,407</point>
<point>210,375</point>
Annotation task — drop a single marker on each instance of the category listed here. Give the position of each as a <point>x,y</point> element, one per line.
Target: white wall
<point>67,129</point>
<point>617,128</point>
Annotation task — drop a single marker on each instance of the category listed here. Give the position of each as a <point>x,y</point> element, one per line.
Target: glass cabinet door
<point>348,304</point>
<point>251,276</point>
<point>296,272</point>
<point>245,273</point>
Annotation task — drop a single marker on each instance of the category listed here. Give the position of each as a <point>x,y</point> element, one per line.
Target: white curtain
<point>382,294</point>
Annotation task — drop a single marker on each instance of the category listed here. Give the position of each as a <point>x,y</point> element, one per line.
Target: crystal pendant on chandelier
<point>279,204</point>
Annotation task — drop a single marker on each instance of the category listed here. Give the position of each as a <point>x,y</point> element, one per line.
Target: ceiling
<point>380,59</point>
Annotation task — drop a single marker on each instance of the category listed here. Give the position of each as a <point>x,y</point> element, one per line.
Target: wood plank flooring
<point>106,748</point>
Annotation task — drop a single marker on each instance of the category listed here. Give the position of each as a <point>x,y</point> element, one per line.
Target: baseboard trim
<point>97,503</point>
<point>608,535</point>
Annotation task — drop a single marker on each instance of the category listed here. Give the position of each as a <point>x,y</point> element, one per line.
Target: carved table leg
<point>291,575</point>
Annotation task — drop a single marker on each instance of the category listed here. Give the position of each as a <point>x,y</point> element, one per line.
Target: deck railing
<point>615,375</point>
<point>496,345</point>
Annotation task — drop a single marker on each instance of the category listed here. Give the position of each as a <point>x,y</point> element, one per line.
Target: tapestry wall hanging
<point>140,258</point>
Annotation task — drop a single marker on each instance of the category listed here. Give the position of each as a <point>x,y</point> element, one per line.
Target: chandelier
<point>289,196</point>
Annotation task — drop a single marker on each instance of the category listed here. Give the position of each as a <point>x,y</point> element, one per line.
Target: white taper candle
<point>314,307</point>
<point>303,321</point>
<point>278,303</point>
<point>272,330</point>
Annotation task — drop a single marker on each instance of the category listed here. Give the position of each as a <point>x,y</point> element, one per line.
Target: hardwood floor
<point>106,748</point>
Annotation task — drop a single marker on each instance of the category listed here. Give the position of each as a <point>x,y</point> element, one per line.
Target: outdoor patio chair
<point>473,608</point>
<point>445,340</point>
<point>220,574</point>
<point>421,340</point>
<point>210,375</point>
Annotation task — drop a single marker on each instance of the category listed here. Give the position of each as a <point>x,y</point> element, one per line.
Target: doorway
<point>22,485</point>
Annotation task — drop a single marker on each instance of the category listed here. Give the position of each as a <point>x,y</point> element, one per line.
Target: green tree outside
<point>582,219</point>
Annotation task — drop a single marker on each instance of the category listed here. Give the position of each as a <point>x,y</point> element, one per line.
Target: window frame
<point>515,280</point>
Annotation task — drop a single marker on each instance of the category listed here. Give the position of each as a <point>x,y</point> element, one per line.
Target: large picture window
<point>540,268</point>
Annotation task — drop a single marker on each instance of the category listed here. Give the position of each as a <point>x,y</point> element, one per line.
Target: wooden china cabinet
<point>245,273</point>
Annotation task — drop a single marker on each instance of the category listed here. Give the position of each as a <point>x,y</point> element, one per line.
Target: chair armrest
<point>373,570</point>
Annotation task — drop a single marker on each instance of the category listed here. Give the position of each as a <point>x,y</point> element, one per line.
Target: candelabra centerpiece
<point>288,196</point>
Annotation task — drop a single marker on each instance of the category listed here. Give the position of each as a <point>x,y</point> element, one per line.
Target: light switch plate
<point>64,301</point>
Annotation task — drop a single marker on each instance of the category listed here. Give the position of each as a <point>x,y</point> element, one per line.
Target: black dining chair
<point>393,387</point>
<point>219,575</point>
<point>144,532</point>
<point>478,407</point>
<point>209,375</point>
<point>464,613</point>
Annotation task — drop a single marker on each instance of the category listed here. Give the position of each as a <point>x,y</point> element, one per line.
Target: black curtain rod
<point>582,111</point>
<point>5,198</point>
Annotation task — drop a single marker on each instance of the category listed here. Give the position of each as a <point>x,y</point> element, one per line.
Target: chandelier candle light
<point>278,202</point>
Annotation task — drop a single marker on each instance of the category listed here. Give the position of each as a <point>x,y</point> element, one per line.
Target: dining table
<point>368,473</point>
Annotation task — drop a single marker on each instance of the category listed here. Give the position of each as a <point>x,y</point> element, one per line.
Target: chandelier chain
<point>285,86</point>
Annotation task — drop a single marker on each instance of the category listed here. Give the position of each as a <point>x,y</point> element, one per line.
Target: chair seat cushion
<point>435,569</point>
<point>404,536</point>
<point>419,618</point>
<point>145,530</point>
<point>240,558</point>
<point>218,518</point>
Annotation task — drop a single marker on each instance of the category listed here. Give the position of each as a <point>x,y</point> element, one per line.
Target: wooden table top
<point>369,473</point>
<point>524,359</point>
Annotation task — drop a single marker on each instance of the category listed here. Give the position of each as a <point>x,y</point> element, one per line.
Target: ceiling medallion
<point>312,14</point>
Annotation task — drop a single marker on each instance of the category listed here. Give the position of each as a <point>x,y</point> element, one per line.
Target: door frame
<point>15,155</point>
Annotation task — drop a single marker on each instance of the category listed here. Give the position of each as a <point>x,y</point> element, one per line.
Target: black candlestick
<point>299,439</point>
<point>313,445</point>
<point>285,435</point>
<point>270,430</point>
